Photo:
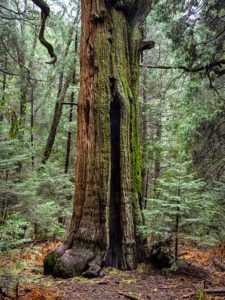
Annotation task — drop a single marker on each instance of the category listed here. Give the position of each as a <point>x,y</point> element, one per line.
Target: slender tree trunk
<point>106,212</point>
<point>61,75</point>
<point>177,221</point>
<point>23,90</point>
<point>176,235</point>
<point>146,189</point>
<point>55,121</point>
<point>4,212</point>
<point>32,125</point>
<point>157,168</point>
<point>62,89</point>
<point>69,134</point>
<point>35,230</point>
<point>32,87</point>
<point>4,82</point>
<point>23,72</point>
<point>145,171</point>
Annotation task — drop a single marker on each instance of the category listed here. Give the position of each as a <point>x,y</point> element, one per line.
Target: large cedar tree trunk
<point>106,214</point>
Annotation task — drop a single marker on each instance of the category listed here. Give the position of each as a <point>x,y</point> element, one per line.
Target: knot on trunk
<point>99,11</point>
<point>146,45</point>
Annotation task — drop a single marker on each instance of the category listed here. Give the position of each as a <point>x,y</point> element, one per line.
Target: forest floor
<point>21,277</point>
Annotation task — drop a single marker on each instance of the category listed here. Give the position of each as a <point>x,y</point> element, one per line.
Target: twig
<point>182,254</point>
<point>17,290</point>
<point>188,295</point>
<point>222,291</point>
<point>129,296</point>
<point>69,103</point>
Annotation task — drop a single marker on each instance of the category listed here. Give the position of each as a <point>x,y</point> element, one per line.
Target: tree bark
<point>106,214</point>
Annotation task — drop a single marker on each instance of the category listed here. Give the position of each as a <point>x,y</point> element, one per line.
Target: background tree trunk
<point>61,94</point>
<point>72,98</point>
<point>4,82</point>
<point>32,124</point>
<point>56,119</point>
<point>106,212</point>
<point>144,133</point>
<point>157,169</point>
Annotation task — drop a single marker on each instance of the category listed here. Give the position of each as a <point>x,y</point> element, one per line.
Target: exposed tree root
<point>67,263</point>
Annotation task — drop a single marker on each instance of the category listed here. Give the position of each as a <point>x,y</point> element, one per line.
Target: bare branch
<point>45,11</point>
<point>207,68</point>
<point>5,71</point>
<point>211,67</point>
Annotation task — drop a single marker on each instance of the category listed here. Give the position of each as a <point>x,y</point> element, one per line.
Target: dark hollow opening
<point>115,232</point>
<point>87,112</point>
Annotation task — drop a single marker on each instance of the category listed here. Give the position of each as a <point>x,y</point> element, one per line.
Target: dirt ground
<point>21,277</point>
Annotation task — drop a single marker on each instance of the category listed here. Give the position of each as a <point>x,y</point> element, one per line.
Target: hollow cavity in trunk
<point>115,231</point>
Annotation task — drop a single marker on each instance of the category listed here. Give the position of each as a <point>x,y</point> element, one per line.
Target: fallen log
<point>218,264</point>
<point>208,291</point>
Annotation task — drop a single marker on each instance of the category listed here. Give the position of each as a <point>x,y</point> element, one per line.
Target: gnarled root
<point>77,261</point>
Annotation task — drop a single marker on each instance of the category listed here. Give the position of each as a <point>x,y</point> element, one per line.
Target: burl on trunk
<point>106,213</point>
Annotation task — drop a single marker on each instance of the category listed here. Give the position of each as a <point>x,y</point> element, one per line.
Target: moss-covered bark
<point>108,168</point>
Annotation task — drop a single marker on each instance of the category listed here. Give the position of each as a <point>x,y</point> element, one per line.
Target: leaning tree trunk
<point>62,90</point>
<point>106,214</point>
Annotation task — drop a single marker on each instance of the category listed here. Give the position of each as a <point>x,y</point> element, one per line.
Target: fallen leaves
<point>40,293</point>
